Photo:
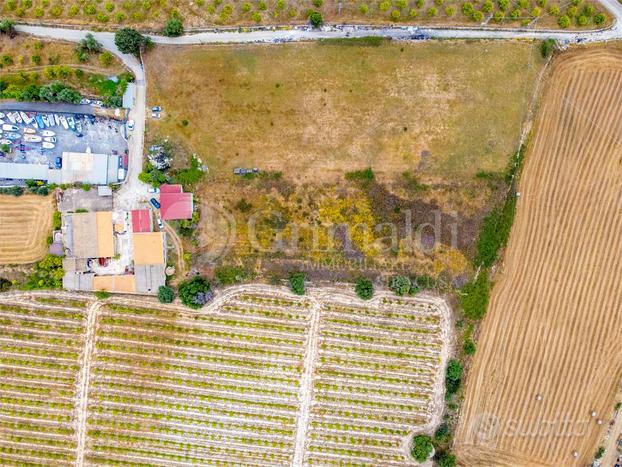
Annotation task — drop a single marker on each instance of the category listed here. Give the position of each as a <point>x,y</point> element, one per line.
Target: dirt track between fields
<point>549,353</point>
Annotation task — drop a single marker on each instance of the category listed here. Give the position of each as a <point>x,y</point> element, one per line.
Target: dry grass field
<point>259,377</point>
<point>25,225</point>
<point>553,324</point>
<point>425,117</point>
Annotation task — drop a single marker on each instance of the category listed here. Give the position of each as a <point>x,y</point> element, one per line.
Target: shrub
<point>453,376</point>
<point>384,6</point>
<point>487,7</point>
<point>7,27</point>
<point>364,288</point>
<point>495,231</point>
<point>554,10</point>
<point>316,3</point>
<point>564,21</point>
<point>468,346</point>
<point>478,16</point>
<point>445,459</point>
<point>102,294</point>
<point>166,294</point>
<point>467,8</point>
<point>600,453</point>
<point>246,7</point>
<point>432,12</point>
<point>535,12</point>
<point>195,292</point>
<point>400,285</point>
<point>442,434</point>
<point>421,448</point>
<point>499,16</point>
<point>297,282</point>
<point>48,273</point>
<point>227,275</point>
<point>504,4</point>
<point>599,18</point>
<point>582,20</point>
<point>413,13</point>
<point>363,8</point>
<point>450,11</point>
<point>475,295</point>
<point>316,19</point>
<point>396,15</point>
<point>547,47</point>
<point>173,28</point>
<point>256,16</point>
<point>365,176</point>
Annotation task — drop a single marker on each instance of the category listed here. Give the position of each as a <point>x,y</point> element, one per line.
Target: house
<point>174,203</point>
<point>141,221</point>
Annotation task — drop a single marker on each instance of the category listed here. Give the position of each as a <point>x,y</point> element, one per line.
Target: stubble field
<point>259,377</point>
<point>549,351</point>
<point>25,224</point>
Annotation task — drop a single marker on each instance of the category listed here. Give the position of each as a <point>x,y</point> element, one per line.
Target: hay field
<point>25,224</point>
<point>553,325</point>
<point>308,109</point>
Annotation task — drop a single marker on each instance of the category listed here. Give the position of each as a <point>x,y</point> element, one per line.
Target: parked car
<point>130,125</point>
<point>154,190</point>
<point>160,223</point>
<point>156,108</point>
<point>59,162</point>
<point>85,101</point>
<point>156,115</point>
<point>154,202</point>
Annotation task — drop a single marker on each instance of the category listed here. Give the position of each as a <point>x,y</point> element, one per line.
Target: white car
<point>154,190</point>
<point>130,125</point>
<point>160,223</point>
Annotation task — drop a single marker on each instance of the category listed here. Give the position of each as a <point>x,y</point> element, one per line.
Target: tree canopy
<point>173,28</point>
<point>297,282</point>
<point>166,294</point>
<point>364,288</point>
<point>422,448</point>
<point>195,292</point>
<point>130,41</point>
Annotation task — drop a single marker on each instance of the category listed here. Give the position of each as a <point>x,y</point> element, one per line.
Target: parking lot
<point>97,134</point>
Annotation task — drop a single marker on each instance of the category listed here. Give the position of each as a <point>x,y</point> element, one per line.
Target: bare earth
<point>552,327</point>
<point>25,224</point>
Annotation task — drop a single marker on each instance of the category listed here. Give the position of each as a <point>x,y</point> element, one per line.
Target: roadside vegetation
<point>168,18</point>
<point>55,71</point>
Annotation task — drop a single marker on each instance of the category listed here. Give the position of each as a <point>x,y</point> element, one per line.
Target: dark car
<point>155,203</point>
<point>59,162</point>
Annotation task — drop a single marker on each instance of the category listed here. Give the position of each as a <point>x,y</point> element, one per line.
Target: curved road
<point>134,191</point>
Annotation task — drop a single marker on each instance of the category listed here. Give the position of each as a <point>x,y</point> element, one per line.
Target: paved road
<point>46,107</point>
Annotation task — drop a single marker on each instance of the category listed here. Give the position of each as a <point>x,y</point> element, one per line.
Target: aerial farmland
<point>260,377</point>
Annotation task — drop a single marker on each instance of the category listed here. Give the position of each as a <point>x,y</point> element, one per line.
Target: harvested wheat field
<point>25,224</point>
<point>549,349</point>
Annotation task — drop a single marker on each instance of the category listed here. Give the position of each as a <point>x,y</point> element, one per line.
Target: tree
<point>400,285</point>
<point>599,454</point>
<point>69,95</point>
<point>453,376</point>
<point>547,47</point>
<point>564,21</point>
<point>316,20</point>
<point>599,18</point>
<point>88,45</point>
<point>130,41</point>
<point>195,292</point>
<point>166,294</point>
<point>173,28</point>
<point>364,288</point>
<point>445,459</point>
<point>7,27</point>
<point>297,282</point>
<point>421,448</point>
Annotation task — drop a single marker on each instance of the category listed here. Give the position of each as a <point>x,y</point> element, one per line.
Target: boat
<point>31,131</point>
<point>47,145</point>
<point>1,115</point>
<point>12,136</point>
<point>25,117</point>
<point>79,127</point>
<point>51,120</point>
<point>57,120</point>
<point>8,142</point>
<point>40,123</point>
<point>48,133</point>
<point>45,120</point>
<point>1,122</point>
<point>11,117</point>
<point>32,138</point>
<point>7,127</point>
<point>71,122</point>
<point>49,139</point>
<point>63,121</point>
<point>18,119</point>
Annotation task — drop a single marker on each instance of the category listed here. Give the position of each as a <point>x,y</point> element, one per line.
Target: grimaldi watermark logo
<point>488,429</point>
<point>271,232</point>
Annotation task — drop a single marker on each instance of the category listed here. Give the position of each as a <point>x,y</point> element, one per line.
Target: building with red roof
<point>141,221</point>
<point>174,203</point>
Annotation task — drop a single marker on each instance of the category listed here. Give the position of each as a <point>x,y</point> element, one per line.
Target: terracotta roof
<point>171,188</point>
<point>148,248</point>
<point>176,206</point>
<point>141,220</point>
<point>117,283</point>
